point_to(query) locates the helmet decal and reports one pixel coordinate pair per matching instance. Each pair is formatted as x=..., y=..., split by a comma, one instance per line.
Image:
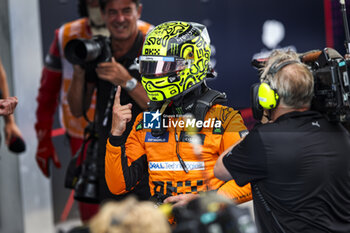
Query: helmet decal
x=178, y=43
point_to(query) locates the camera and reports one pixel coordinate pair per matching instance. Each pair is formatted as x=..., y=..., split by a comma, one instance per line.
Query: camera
x=86, y=52
x=331, y=84
x=212, y=213
x=87, y=184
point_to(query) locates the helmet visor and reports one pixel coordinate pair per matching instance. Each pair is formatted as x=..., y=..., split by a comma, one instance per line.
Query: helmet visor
x=158, y=65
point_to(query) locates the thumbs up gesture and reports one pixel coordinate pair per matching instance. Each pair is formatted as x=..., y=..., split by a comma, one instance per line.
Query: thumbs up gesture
x=121, y=115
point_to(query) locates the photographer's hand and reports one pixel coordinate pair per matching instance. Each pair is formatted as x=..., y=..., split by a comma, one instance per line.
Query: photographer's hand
x=113, y=72
x=117, y=74
x=121, y=115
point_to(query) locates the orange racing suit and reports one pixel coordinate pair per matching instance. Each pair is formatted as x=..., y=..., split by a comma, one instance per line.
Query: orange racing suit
x=125, y=164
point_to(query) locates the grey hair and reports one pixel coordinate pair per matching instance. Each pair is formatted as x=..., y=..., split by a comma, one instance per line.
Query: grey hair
x=294, y=82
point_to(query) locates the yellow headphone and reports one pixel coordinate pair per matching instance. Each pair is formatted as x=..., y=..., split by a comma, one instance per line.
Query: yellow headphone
x=268, y=97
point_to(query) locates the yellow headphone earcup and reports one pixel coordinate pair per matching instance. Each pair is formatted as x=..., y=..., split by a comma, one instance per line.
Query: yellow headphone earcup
x=268, y=98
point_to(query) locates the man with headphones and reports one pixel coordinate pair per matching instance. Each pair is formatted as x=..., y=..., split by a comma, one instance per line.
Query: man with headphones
x=297, y=162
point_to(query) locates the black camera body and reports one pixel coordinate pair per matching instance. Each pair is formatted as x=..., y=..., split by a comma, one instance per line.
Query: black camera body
x=84, y=177
x=87, y=185
x=88, y=52
x=331, y=85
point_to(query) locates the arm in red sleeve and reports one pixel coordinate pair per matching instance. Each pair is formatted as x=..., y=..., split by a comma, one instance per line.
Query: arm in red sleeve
x=47, y=99
x=50, y=85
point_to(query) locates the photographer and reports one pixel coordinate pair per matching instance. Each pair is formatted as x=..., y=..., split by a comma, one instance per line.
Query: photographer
x=179, y=159
x=298, y=163
x=121, y=18
x=56, y=77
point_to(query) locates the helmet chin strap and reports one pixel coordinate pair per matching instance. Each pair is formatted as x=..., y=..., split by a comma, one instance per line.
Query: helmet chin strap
x=164, y=105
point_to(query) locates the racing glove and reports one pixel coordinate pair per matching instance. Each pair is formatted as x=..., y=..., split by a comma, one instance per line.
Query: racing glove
x=45, y=151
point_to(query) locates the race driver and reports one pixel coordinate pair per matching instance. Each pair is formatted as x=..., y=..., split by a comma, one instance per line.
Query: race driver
x=178, y=157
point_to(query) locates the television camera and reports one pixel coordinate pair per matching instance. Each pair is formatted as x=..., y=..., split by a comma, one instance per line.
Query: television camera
x=331, y=80
x=331, y=83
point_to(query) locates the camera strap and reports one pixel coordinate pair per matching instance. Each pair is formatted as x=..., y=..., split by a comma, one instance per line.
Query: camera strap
x=85, y=108
x=266, y=205
x=109, y=106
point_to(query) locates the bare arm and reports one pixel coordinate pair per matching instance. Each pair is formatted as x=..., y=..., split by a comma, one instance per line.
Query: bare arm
x=3, y=82
x=76, y=93
x=11, y=128
x=7, y=103
x=220, y=170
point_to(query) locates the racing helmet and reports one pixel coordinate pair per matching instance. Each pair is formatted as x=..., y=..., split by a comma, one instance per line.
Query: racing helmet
x=174, y=60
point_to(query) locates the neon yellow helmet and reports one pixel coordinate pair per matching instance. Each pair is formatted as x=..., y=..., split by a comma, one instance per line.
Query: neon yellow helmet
x=175, y=59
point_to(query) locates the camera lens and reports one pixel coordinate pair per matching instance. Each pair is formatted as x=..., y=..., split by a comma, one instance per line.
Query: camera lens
x=81, y=51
